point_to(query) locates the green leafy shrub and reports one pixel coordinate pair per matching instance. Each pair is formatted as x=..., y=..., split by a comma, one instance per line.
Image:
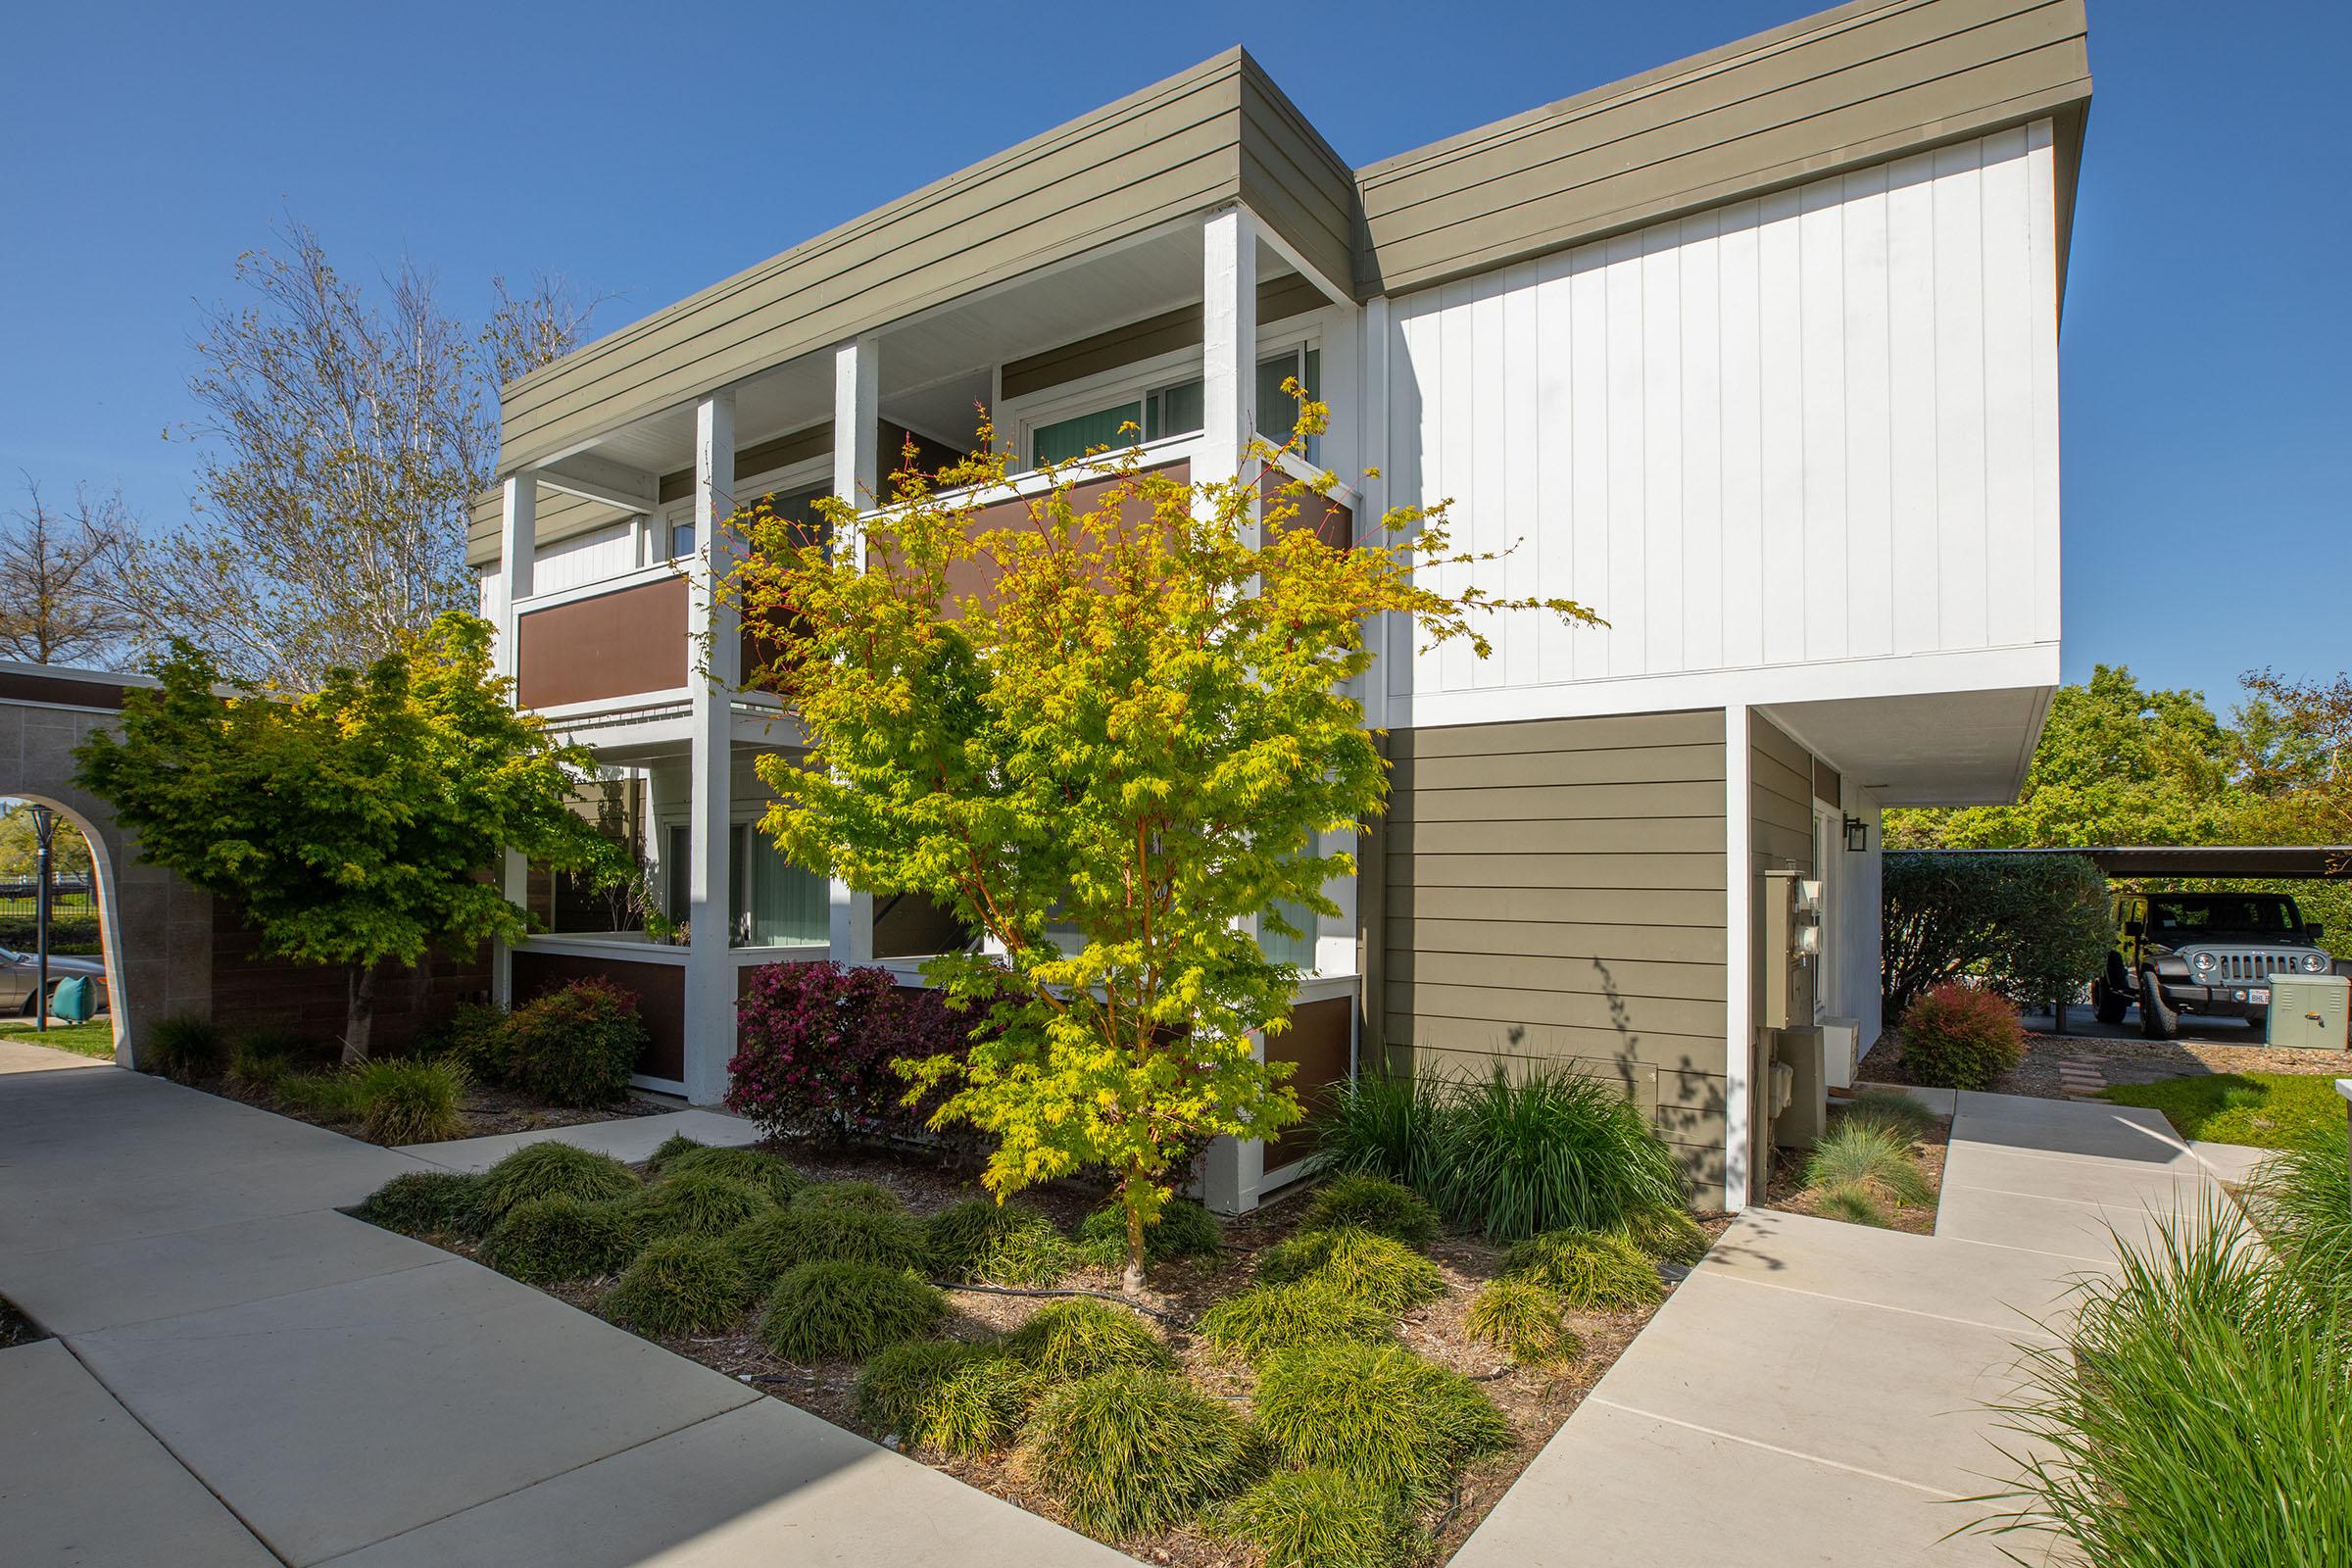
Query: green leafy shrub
x=1521, y=1315
x=1371, y=1203
x=1394, y=1126
x=1079, y=1337
x=825, y=1311
x=1379, y=1269
x=962, y=1399
x=700, y=1205
x=578, y=1044
x=681, y=1285
x=780, y=1181
x=473, y=1034
x=1669, y=1235
x=1376, y=1412
x=184, y=1048
x=2031, y=925
x=1265, y=1318
x=427, y=1204
x=1961, y=1037
x=1594, y=1271
x=1133, y=1450
x=551, y=1167
x=803, y=1233
x=996, y=1244
x=1867, y=1156
x=1184, y=1229
x=546, y=1240
x=873, y=1196
x=1322, y=1518
x=405, y=1101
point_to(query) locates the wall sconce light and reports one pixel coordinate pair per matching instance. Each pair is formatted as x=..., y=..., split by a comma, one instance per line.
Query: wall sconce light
x=1857, y=834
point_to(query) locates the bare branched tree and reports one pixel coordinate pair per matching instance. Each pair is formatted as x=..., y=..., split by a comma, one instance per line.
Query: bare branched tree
x=346, y=437
x=63, y=581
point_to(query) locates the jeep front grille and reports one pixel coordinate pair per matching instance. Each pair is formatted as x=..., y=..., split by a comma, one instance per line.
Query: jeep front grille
x=2257, y=966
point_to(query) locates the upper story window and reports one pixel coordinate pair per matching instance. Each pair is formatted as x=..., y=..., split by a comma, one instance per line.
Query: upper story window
x=1176, y=408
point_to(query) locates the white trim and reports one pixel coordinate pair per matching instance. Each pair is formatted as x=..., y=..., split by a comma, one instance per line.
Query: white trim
x=1739, y=920
x=614, y=947
x=634, y=577
x=1336, y=294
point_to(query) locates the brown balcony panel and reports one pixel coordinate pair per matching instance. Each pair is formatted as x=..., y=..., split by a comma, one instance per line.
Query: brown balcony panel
x=619, y=644
x=1317, y=1046
x=1331, y=519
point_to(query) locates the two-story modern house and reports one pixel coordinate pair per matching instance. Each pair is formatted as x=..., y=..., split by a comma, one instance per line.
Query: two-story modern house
x=1755, y=354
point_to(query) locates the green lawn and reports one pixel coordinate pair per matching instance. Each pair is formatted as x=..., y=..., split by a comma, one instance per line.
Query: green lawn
x=93, y=1038
x=2261, y=1109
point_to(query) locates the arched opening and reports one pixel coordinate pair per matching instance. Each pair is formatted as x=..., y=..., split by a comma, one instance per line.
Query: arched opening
x=84, y=933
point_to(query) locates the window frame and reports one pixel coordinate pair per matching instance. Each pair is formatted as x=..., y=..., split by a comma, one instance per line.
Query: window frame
x=1137, y=382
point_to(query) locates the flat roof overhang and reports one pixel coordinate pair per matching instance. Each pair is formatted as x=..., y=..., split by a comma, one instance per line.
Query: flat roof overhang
x=2331, y=863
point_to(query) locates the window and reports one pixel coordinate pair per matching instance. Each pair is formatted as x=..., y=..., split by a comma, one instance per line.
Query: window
x=1281, y=949
x=1277, y=410
x=1178, y=409
x=772, y=901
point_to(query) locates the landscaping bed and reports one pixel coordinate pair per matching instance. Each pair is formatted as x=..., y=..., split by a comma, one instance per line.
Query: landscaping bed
x=1890, y=1176
x=2038, y=1072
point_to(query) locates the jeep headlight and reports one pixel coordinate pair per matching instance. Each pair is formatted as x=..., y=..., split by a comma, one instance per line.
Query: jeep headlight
x=2314, y=962
x=2202, y=962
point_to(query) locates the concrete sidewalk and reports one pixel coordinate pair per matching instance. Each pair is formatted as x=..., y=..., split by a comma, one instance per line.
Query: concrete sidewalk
x=242, y=1375
x=1815, y=1392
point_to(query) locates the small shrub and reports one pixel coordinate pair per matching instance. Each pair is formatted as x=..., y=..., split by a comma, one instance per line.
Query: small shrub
x=1079, y=1337
x=546, y=1240
x=799, y=1233
x=697, y=1204
x=964, y=1239
x=1322, y=1518
x=1184, y=1229
x=680, y=1284
x=578, y=1044
x=1592, y=1270
x=1960, y=1037
x=870, y=1195
x=815, y=1042
x=827, y=1312
x=1373, y=1204
x=427, y=1204
x=1868, y=1155
x=184, y=1048
x=1669, y=1235
x=475, y=1036
x=1379, y=1269
x=964, y=1400
x=1265, y=1318
x=766, y=1172
x=1521, y=1315
x=550, y=1168
x=1375, y=1413
x=1134, y=1451
x=404, y=1101
x=671, y=1147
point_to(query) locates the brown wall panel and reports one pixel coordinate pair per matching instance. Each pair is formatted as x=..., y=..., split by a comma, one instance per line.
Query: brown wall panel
x=1317, y=1044
x=614, y=645
x=254, y=990
x=660, y=990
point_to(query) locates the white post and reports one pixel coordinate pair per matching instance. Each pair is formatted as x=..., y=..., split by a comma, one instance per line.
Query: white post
x=1739, y=920
x=709, y=948
x=517, y=554
x=858, y=480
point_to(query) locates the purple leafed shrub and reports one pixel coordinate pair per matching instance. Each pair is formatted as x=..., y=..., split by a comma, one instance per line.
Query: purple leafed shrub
x=815, y=1043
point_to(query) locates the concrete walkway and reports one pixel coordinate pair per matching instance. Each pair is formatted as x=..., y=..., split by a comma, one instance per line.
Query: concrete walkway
x=1815, y=1392
x=240, y=1375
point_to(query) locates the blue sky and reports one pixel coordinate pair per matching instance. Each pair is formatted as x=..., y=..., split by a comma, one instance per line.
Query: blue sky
x=645, y=151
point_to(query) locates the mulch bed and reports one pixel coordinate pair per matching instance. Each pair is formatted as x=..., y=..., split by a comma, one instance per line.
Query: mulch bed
x=485, y=1110
x=1786, y=1188
x=16, y=1328
x=1536, y=1402
x=2039, y=1074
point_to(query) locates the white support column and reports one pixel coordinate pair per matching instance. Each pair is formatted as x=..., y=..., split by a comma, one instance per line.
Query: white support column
x=1739, y=920
x=517, y=553
x=710, y=955
x=858, y=480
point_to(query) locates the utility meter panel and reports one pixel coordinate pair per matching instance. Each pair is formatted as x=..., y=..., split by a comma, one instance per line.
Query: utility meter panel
x=1788, y=941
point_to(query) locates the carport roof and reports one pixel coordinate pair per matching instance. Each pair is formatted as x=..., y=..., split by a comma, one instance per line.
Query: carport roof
x=2328, y=862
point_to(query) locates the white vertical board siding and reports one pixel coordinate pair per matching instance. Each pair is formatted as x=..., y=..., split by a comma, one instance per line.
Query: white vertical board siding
x=584, y=559
x=1816, y=427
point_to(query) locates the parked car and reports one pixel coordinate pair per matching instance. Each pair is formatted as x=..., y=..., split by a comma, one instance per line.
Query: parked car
x=2206, y=953
x=19, y=974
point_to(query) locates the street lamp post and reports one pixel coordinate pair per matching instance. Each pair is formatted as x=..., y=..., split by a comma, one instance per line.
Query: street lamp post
x=44, y=828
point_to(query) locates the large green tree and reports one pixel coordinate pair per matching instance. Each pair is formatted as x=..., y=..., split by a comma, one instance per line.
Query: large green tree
x=1106, y=728
x=360, y=822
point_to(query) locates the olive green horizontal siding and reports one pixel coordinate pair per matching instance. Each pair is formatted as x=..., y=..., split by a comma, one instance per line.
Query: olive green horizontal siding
x=1293, y=179
x=1851, y=86
x=1781, y=787
x=1278, y=299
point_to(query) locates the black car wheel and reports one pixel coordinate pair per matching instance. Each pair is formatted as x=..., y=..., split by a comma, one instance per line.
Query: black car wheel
x=2156, y=1020
x=2107, y=1003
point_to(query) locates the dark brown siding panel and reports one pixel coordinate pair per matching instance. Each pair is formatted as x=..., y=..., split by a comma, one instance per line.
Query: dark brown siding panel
x=1316, y=1044
x=253, y=990
x=660, y=989
x=614, y=645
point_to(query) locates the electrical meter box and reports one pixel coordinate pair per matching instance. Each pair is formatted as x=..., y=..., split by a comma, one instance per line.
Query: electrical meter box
x=2308, y=1010
x=1788, y=944
x=1803, y=1115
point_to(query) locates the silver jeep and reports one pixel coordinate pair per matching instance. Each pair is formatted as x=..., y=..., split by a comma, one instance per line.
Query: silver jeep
x=2207, y=953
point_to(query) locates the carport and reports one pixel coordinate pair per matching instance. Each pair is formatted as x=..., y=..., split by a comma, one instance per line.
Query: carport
x=2329, y=862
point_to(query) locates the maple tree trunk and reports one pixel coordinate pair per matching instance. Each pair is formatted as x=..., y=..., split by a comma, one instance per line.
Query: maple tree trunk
x=360, y=1018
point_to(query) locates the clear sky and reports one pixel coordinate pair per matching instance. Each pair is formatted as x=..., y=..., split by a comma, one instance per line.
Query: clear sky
x=645, y=151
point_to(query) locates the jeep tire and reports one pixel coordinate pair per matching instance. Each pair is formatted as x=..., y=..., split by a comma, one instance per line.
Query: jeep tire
x=2156, y=1020
x=2108, y=1003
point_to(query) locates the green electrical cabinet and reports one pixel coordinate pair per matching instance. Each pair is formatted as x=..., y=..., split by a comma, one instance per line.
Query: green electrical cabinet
x=2308, y=1010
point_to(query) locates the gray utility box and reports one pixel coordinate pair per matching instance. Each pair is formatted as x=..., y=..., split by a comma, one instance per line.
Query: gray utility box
x=2308, y=1010
x=1798, y=1121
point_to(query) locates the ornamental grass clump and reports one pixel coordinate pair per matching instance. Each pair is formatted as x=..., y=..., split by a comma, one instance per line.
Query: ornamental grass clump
x=1080, y=1338
x=2301, y=1200
x=551, y=1167
x=1961, y=1037
x=872, y=1196
x=1184, y=1229
x=1594, y=1271
x=846, y=1311
x=1367, y=1201
x=1134, y=1451
x=962, y=1399
x=973, y=1240
x=427, y=1203
x=404, y=1101
x=1669, y=1235
x=803, y=1233
x=681, y=1285
x=699, y=1204
x=1899, y=1113
x=1376, y=1413
x=671, y=1148
x=184, y=1048
x=1374, y=1268
x=748, y=1165
x=1551, y=1149
x=1394, y=1127
x=547, y=1240
x=1521, y=1316
x=1322, y=1518
x=1870, y=1160
x=1265, y=1318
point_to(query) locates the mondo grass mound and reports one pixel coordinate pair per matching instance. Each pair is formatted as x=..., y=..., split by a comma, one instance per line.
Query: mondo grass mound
x=1321, y=1518
x=1669, y=1235
x=553, y=1170
x=681, y=1285
x=1374, y=1268
x=1265, y=1318
x=1376, y=1413
x=996, y=1244
x=962, y=1399
x=1592, y=1270
x=1521, y=1316
x=846, y=1311
x=547, y=1240
x=746, y=1165
x=427, y=1204
x=827, y=1233
x=870, y=1195
x=1134, y=1451
x=696, y=1204
x=1081, y=1338
x=1184, y=1229
x=1362, y=1202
